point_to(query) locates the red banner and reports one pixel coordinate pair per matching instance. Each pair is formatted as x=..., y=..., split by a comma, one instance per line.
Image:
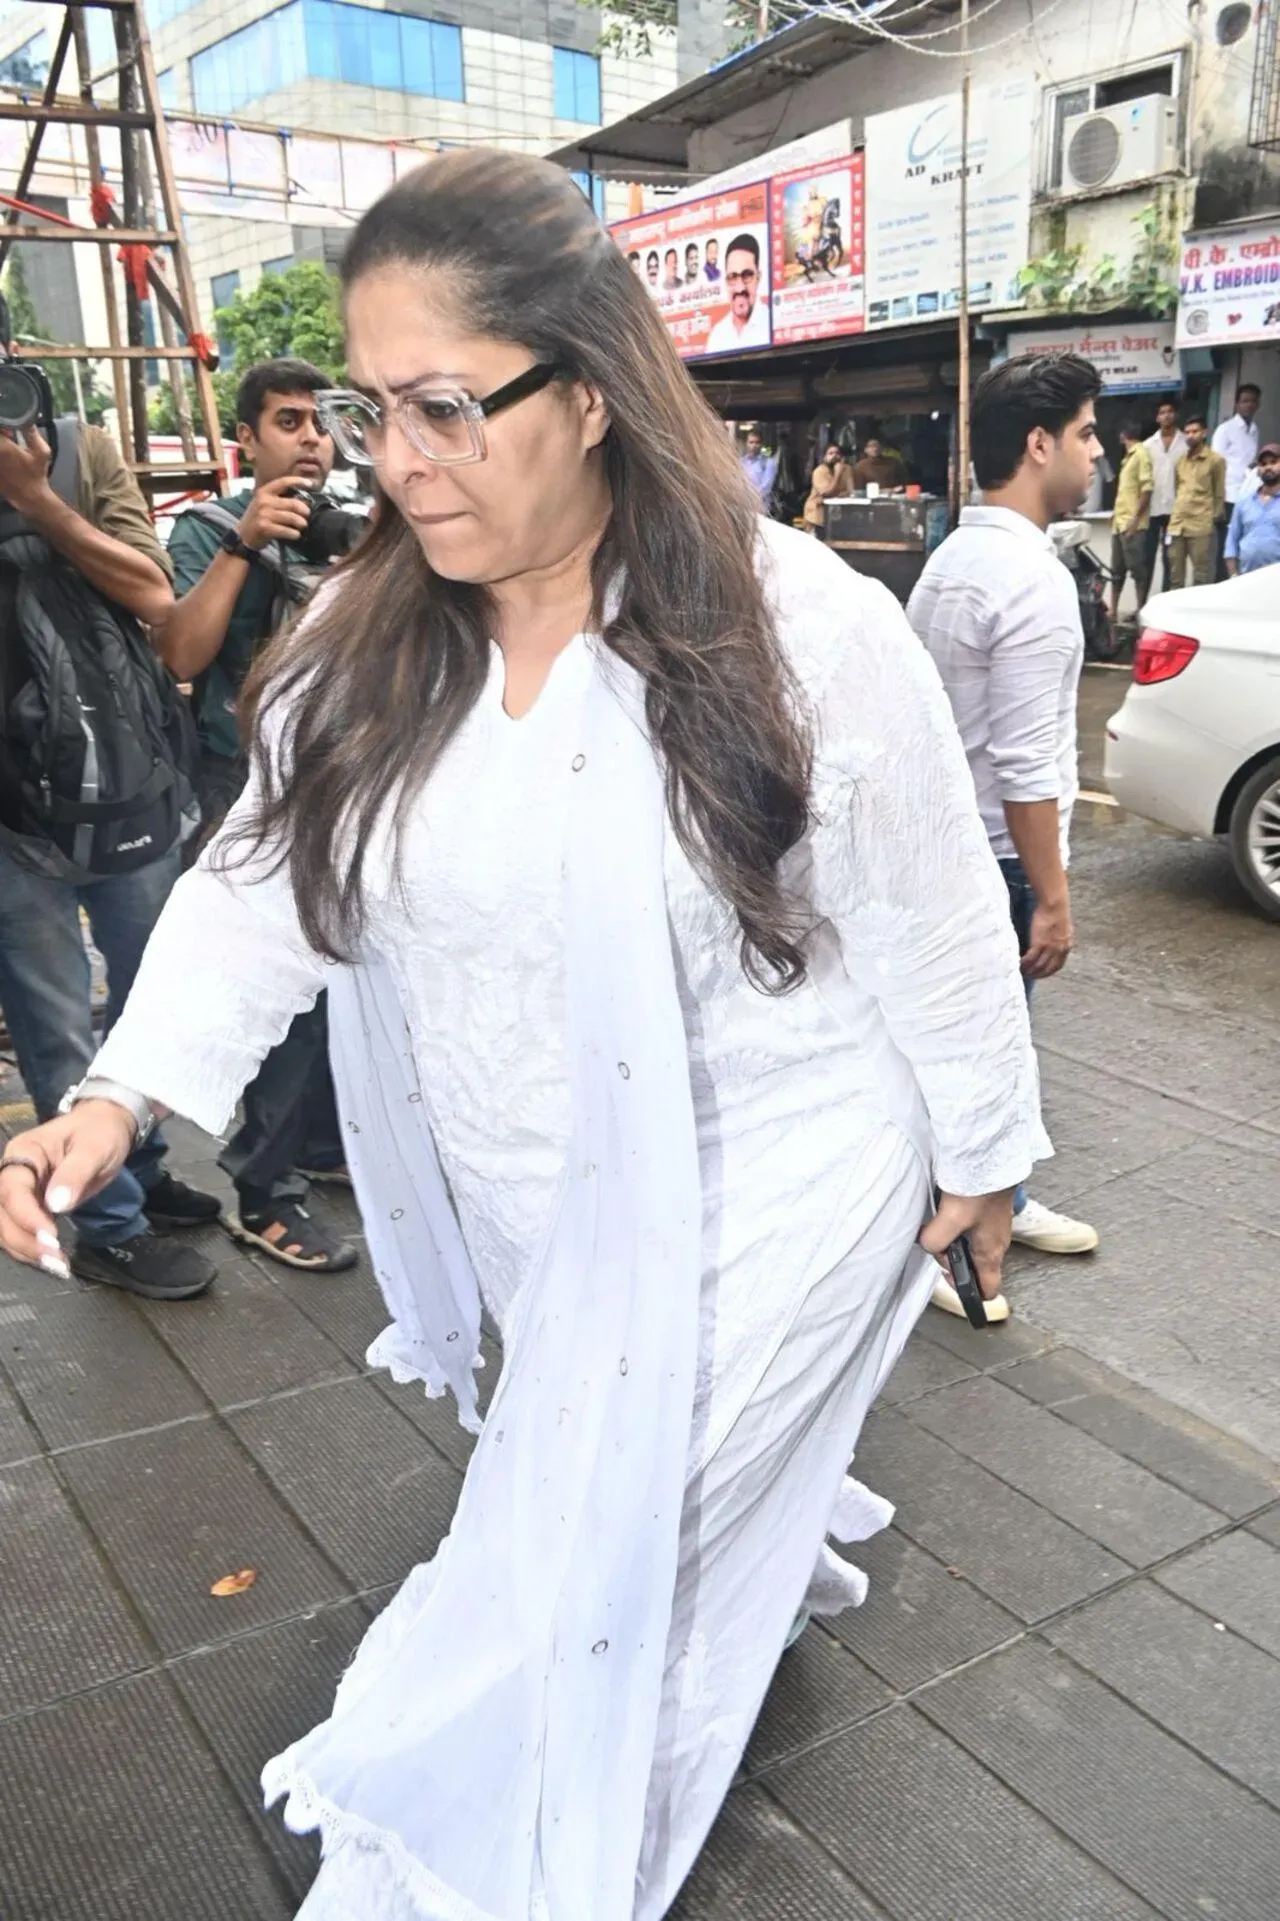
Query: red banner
x=706, y=263
x=817, y=222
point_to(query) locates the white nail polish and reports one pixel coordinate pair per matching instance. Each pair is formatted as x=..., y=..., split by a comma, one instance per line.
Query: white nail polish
x=59, y=1199
x=54, y=1266
x=47, y=1238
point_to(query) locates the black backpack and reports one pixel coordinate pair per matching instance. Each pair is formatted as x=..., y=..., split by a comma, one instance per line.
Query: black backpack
x=97, y=749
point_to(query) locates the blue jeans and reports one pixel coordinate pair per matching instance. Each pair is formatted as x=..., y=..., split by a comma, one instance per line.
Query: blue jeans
x=45, y=994
x=1022, y=905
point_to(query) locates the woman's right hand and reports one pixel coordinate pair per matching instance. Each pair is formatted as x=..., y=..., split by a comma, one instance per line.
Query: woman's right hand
x=51, y=1169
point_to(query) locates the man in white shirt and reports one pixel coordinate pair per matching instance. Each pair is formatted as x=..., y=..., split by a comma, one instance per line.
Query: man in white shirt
x=746, y=324
x=1166, y=446
x=1237, y=441
x=999, y=613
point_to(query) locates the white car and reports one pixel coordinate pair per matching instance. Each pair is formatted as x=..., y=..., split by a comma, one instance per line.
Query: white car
x=1196, y=745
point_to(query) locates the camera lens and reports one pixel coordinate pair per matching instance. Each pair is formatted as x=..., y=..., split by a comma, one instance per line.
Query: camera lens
x=19, y=398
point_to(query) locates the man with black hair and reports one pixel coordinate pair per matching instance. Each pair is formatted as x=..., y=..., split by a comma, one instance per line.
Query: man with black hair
x=1131, y=518
x=760, y=468
x=1236, y=440
x=1199, y=507
x=1166, y=447
x=998, y=612
x=230, y=605
x=746, y=324
x=96, y=527
x=1253, y=538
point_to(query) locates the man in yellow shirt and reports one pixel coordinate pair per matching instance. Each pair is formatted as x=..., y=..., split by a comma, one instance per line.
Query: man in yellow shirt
x=1131, y=518
x=1199, y=503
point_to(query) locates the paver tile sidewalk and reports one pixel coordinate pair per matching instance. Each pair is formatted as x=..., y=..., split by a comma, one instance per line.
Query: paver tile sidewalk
x=1059, y=1703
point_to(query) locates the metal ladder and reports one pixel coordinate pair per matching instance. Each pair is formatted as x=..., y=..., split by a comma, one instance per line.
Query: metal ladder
x=131, y=233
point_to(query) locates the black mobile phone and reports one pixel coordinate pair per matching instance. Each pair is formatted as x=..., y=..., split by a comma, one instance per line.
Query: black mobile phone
x=964, y=1278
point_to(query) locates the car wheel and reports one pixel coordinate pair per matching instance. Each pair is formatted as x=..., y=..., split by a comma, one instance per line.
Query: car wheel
x=1255, y=837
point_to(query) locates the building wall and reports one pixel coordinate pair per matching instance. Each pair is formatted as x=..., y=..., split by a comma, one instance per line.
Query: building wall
x=704, y=37
x=508, y=66
x=1218, y=177
x=1076, y=41
x=509, y=102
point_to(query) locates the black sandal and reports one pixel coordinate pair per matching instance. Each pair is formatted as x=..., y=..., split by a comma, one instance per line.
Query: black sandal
x=285, y=1232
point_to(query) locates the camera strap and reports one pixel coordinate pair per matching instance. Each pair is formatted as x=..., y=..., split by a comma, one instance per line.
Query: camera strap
x=66, y=460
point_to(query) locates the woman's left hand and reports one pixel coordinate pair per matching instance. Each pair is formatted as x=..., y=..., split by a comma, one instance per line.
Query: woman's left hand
x=988, y=1221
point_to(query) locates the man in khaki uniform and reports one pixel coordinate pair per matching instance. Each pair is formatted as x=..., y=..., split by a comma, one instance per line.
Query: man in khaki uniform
x=1131, y=519
x=1199, y=503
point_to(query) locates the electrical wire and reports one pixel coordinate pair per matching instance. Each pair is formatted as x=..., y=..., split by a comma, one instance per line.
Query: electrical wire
x=873, y=20
x=849, y=13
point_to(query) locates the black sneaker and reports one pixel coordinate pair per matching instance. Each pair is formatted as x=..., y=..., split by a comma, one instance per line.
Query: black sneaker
x=158, y=1269
x=171, y=1203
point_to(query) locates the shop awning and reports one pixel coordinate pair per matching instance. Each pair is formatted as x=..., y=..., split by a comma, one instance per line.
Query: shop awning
x=894, y=369
x=652, y=144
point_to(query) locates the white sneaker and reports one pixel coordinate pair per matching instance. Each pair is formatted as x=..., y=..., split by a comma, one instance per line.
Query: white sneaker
x=945, y=1297
x=1039, y=1227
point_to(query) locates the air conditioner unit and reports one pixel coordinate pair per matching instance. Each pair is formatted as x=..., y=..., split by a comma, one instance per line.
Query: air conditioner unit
x=1112, y=146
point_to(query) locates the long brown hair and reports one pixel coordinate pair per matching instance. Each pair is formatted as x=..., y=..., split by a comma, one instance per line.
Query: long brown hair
x=372, y=701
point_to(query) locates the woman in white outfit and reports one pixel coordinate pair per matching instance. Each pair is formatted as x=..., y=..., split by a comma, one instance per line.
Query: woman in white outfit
x=669, y=970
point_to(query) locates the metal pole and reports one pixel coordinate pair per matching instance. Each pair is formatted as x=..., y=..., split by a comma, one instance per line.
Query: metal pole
x=126, y=48
x=180, y=259
x=119, y=379
x=174, y=369
x=962, y=416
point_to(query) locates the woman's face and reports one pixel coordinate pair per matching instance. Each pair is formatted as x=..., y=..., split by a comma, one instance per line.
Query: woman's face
x=539, y=492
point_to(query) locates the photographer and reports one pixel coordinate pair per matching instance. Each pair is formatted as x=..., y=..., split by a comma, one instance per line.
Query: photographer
x=241, y=566
x=94, y=799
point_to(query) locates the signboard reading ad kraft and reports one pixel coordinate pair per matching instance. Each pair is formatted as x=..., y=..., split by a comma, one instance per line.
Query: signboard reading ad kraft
x=816, y=219
x=913, y=158
x=706, y=264
x=1229, y=286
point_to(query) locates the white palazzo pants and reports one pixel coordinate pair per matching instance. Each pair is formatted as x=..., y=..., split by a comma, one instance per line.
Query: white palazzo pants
x=759, y=1504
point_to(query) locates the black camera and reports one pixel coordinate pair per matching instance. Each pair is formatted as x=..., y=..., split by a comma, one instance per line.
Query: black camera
x=26, y=398
x=332, y=530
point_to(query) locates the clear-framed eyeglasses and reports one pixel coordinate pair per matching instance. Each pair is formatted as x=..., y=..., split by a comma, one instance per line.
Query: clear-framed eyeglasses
x=445, y=424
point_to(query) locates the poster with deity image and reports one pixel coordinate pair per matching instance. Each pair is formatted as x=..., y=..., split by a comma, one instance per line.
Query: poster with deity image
x=817, y=220
x=706, y=265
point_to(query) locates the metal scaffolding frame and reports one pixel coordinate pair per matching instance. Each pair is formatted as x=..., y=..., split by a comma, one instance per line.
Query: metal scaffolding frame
x=1264, y=99
x=147, y=252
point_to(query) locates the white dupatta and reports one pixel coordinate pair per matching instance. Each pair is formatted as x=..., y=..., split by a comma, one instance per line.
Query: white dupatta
x=494, y=1736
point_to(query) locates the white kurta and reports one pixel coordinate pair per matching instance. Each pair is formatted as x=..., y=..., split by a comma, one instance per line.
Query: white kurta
x=818, y=1116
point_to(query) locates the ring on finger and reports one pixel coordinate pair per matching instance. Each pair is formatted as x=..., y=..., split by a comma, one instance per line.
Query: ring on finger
x=20, y=1160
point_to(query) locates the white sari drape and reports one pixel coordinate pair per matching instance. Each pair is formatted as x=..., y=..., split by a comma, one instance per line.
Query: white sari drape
x=536, y=1638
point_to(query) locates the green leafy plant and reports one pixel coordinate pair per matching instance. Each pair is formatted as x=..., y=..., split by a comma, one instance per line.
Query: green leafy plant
x=295, y=314
x=1064, y=280
x=633, y=24
x=630, y=31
